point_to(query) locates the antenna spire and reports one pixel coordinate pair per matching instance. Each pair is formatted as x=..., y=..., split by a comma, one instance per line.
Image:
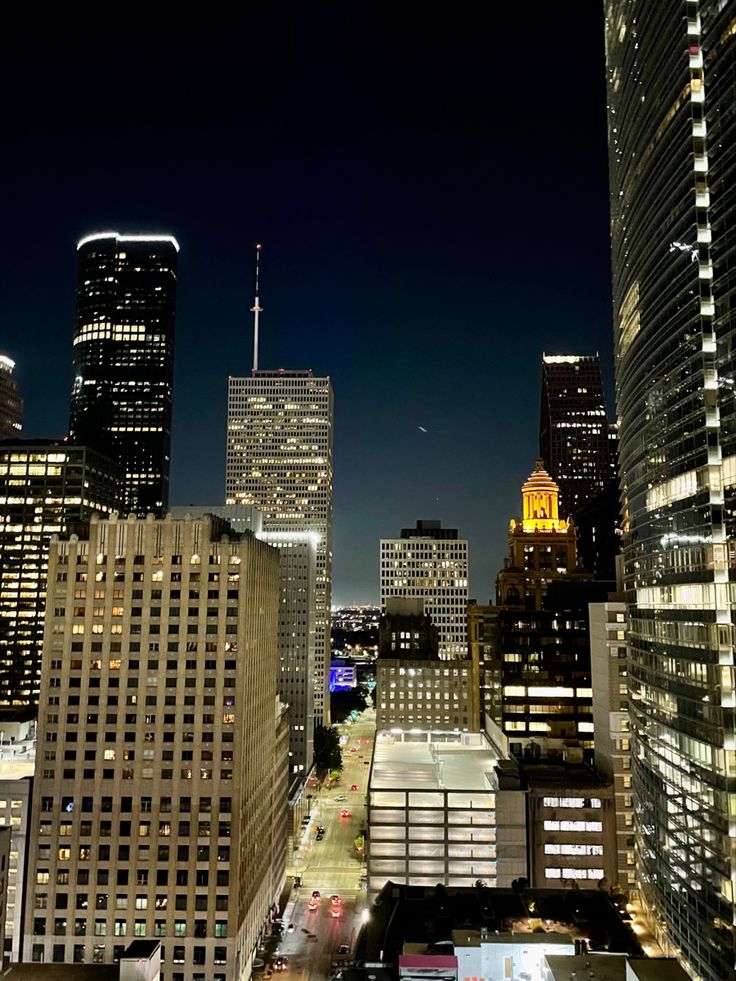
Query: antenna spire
x=256, y=309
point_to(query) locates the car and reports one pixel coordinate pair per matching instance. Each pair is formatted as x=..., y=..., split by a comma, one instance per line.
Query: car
x=345, y=813
x=281, y=963
x=353, y=749
x=290, y=928
x=355, y=787
x=320, y=830
x=316, y=894
x=341, y=798
x=343, y=949
x=320, y=836
x=336, y=900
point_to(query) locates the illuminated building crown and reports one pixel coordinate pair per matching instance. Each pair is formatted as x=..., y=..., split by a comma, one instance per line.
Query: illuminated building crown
x=540, y=498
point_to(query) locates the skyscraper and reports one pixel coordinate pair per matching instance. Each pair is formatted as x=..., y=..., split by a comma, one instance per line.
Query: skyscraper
x=279, y=458
x=11, y=404
x=161, y=813
x=124, y=359
x=573, y=429
x=46, y=488
x=672, y=139
x=430, y=563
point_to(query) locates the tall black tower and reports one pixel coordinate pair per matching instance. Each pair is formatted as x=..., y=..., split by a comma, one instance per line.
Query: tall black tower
x=573, y=429
x=124, y=359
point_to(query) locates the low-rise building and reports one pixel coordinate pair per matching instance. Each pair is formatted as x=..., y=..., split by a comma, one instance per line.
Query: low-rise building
x=436, y=813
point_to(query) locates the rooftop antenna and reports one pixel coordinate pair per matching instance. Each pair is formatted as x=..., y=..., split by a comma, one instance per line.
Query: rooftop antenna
x=256, y=309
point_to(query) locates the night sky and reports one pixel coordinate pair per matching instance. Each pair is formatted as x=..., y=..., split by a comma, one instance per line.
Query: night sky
x=431, y=192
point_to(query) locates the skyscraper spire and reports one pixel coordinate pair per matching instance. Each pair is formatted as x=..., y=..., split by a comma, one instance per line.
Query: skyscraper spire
x=256, y=309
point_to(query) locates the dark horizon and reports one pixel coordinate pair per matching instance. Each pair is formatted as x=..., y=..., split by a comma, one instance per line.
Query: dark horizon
x=434, y=214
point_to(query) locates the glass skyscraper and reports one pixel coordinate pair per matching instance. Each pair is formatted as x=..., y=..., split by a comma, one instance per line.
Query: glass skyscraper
x=11, y=404
x=573, y=429
x=124, y=359
x=672, y=138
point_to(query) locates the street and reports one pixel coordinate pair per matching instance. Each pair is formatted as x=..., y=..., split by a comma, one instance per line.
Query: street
x=331, y=865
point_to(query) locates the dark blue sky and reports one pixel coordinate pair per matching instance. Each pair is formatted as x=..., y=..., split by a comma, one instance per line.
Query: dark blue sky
x=432, y=198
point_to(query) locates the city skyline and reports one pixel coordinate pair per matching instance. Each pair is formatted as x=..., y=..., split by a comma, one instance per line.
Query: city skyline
x=389, y=284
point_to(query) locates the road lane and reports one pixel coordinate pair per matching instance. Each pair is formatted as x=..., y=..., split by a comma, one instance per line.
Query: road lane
x=332, y=865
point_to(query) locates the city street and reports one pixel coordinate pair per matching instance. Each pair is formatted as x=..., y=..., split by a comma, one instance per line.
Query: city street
x=331, y=865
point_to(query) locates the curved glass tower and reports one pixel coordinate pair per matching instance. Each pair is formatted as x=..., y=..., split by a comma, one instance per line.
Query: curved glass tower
x=672, y=137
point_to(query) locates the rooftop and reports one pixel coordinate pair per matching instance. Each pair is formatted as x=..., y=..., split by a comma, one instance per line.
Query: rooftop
x=459, y=765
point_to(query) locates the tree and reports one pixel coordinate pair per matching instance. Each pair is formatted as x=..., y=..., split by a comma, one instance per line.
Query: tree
x=327, y=753
x=342, y=703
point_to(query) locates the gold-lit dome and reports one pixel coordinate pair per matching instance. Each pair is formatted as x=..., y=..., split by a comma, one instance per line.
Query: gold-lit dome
x=540, y=496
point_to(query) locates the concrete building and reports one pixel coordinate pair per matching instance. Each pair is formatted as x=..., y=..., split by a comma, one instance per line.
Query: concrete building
x=279, y=459
x=573, y=428
x=414, y=687
x=11, y=403
x=541, y=546
x=572, y=825
x=46, y=487
x=609, y=668
x=123, y=358
x=430, y=563
x=436, y=813
x=15, y=814
x=155, y=783
x=610, y=967
x=296, y=635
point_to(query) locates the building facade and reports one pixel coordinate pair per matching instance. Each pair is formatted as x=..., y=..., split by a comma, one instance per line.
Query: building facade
x=609, y=671
x=124, y=359
x=156, y=815
x=11, y=403
x=279, y=459
x=430, y=563
x=436, y=813
x=297, y=554
x=672, y=141
x=573, y=428
x=541, y=546
x=46, y=488
x=414, y=687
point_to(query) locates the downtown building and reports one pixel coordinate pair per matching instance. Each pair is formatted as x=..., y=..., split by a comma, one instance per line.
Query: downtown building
x=279, y=460
x=46, y=488
x=297, y=553
x=574, y=435
x=672, y=141
x=11, y=403
x=430, y=563
x=158, y=802
x=532, y=646
x=124, y=360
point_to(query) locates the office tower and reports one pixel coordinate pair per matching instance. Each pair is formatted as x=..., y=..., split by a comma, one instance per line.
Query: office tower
x=11, y=404
x=598, y=525
x=609, y=672
x=573, y=429
x=279, y=459
x=124, y=359
x=156, y=795
x=414, y=687
x=535, y=661
x=295, y=683
x=46, y=488
x=430, y=562
x=541, y=546
x=672, y=157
